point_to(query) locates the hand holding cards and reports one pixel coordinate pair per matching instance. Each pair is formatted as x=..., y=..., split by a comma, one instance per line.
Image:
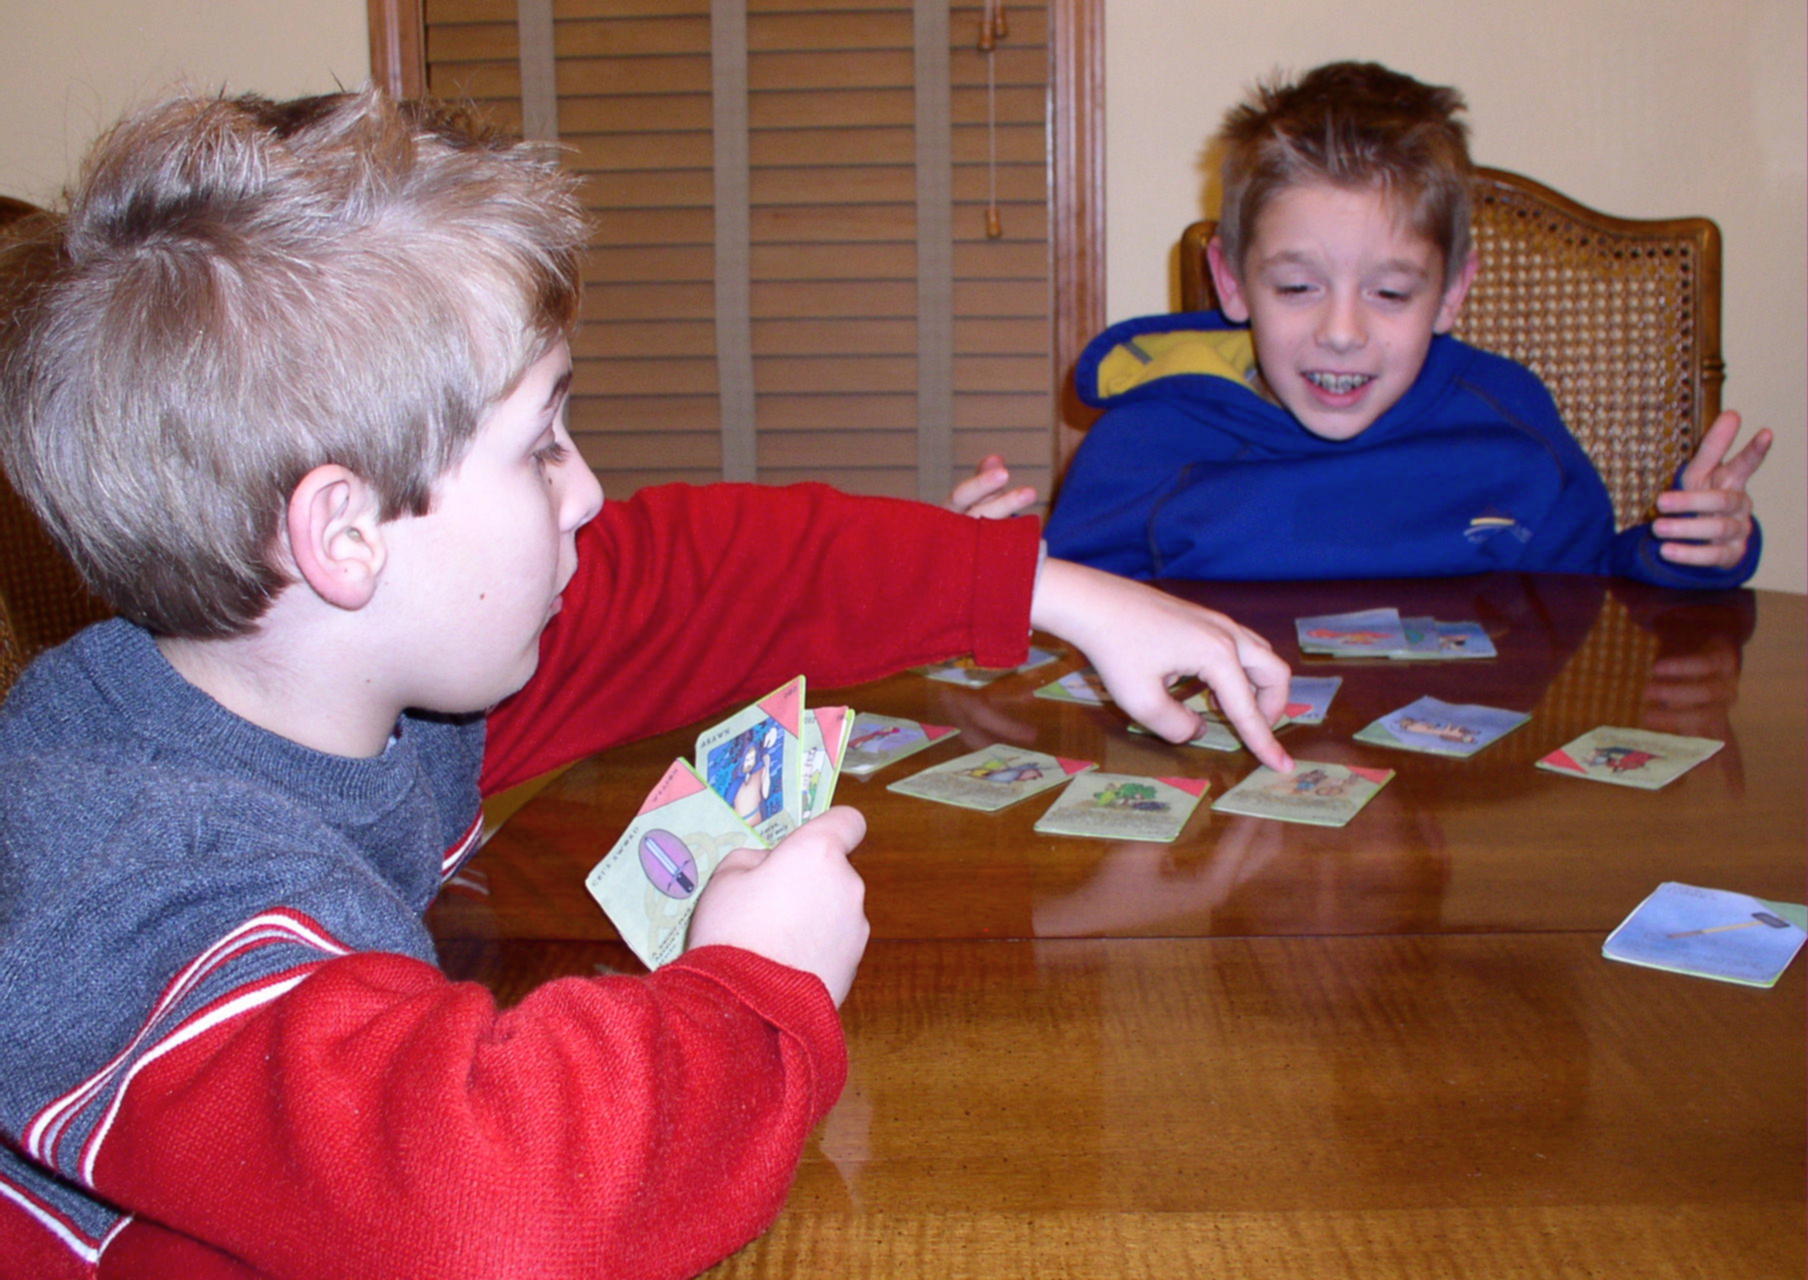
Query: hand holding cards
x=760, y=774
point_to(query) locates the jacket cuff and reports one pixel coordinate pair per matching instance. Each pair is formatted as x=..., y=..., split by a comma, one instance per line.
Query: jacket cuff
x=1007, y=558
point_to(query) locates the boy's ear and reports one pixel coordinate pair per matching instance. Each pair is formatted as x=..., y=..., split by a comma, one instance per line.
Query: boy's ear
x=1455, y=292
x=1225, y=280
x=335, y=536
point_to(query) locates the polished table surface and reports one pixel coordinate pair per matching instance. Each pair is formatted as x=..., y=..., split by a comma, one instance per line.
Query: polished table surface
x=1387, y=1050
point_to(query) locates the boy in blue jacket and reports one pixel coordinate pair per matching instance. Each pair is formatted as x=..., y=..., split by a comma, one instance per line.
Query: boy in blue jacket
x=1324, y=424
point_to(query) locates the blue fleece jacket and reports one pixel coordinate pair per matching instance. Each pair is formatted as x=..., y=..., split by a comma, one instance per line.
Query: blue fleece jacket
x=1192, y=474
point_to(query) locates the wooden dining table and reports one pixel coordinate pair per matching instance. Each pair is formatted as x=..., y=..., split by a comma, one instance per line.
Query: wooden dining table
x=1390, y=1049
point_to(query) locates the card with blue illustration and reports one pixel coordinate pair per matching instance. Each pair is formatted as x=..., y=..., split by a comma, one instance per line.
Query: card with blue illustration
x=991, y=778
x=649, y=880
x=1710, y=933
x=1309, y=698
x=1121, y=806
x=753, y=760
x=1427, y=639
x=1364, y=633
x=1442, y=728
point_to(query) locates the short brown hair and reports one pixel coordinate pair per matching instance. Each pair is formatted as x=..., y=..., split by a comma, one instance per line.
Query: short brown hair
x=242, y=290
x=1354, y=125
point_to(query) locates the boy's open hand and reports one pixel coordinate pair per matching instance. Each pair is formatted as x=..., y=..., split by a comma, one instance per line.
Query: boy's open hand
x=987, y=495
x=1707, y=519
x=800, y=903
x=1141, y=640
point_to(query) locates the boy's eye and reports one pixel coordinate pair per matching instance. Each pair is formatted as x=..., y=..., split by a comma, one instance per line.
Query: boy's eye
x=551, y=455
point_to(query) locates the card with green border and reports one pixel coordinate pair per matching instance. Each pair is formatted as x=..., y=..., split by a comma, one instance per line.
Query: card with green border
x=991, y=778
x=1121, y=806
x=1324, y=795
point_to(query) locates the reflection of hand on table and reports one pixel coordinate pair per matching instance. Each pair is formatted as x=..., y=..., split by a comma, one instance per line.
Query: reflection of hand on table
x=1138, y=883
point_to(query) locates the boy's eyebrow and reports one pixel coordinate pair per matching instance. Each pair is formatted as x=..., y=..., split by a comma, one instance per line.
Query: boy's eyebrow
x=558, y=391
x=1300, y=258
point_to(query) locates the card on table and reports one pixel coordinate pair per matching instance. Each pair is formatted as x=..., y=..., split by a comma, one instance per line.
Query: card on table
x=1365, y=633
x=1312, y=696
x=1215, y=733
x=881, y=740
x=1427, y=639
x=1442, y=728
x=1640, y=758
x=825, y=739
x=1710, y=933
x=649, y=881
x=964, y=672
x=991, y=778
x=1324, y=795
x=753, y=760
x=1120, y=806
x=1084, y=686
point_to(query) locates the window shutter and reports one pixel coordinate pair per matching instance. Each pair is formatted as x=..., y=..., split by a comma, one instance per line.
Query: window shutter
x=791, y=276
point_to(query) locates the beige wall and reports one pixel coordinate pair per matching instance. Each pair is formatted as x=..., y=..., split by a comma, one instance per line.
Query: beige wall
x=1643, y=109
x=73, y=65
x=1646, y=109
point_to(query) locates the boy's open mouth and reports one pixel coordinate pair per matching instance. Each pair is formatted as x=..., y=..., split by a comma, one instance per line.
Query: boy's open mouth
x=1339, y=384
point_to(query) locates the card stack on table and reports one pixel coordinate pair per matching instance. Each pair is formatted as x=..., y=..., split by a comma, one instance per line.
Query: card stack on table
x=758, y=776
x=1383, y=633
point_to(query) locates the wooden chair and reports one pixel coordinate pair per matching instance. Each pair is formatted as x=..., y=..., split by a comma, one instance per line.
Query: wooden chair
x=1620, y=317
x=42, y=599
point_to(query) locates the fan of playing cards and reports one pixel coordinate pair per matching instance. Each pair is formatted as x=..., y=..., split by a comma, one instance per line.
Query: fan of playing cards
x=757, y=776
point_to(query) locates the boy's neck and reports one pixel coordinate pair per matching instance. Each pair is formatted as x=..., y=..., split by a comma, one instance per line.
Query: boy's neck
x=257, y=680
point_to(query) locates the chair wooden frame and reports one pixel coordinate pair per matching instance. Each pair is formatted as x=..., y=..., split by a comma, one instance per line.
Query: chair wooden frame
x=1620, y=317
x=43, y=600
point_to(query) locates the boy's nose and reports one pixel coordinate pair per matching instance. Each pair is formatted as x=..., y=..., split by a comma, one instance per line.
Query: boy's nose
x=581, y=493
x=1341, y=326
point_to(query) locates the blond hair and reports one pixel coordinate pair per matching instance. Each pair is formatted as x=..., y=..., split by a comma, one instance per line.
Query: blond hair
x=1355, y=125
x=242, y=290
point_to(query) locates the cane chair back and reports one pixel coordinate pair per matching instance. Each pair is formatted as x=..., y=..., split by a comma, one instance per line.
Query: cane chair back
x=1619, y=317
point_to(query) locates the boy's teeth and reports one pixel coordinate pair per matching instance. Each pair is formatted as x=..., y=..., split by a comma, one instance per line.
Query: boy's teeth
x=1338, y=383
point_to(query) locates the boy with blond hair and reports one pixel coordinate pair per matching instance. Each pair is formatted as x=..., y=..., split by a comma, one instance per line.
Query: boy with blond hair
x=1323, y=423
x=288, y=382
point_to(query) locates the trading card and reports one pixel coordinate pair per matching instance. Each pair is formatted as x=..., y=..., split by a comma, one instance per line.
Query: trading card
x=1311, y=695
x=1084, y=686
x=1215, y=733
x=1442, y=728
x=826, y=734
x=1119, y=806
x=1710, y=933
x=1366, y=633
x=877, y=741
x=1325, y=795
x=1640, y=758
x=649, y=881
x=963, y=672
x=991, y=778
x=753, y=761
x=1427, y=639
